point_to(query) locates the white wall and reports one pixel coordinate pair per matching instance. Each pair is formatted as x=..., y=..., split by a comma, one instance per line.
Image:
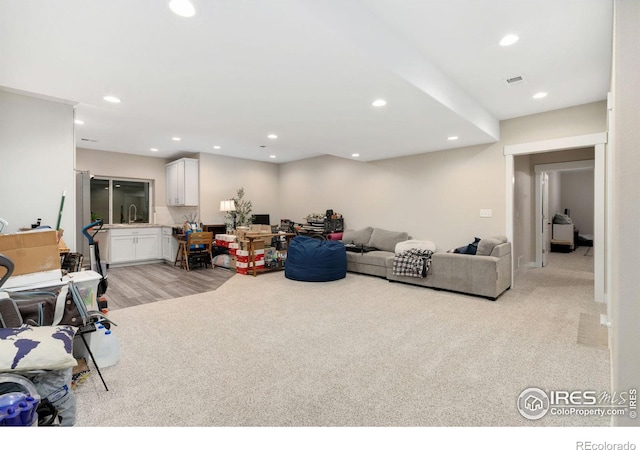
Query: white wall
x=222, y=176
x=624, y=167
x=126, y=166
x=577, y=196
x=435, y=196
x=36, y=162
x=523, y=214
x=219, y=178
x=114, y=164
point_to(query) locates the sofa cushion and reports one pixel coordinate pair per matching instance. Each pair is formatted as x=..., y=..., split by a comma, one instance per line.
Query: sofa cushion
x=387, y=240
x=374, y=258
x=358, y=237
x=501, y=250
x=486, y=245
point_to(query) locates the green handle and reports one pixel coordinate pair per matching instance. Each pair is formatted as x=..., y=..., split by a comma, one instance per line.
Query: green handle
x=64, y=194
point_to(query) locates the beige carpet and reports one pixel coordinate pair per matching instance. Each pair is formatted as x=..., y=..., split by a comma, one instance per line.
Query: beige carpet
x=361, y=351
x=591, y=332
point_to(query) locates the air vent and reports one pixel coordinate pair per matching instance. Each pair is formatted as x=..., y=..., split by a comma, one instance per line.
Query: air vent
x=518, y=79
x=88, y=140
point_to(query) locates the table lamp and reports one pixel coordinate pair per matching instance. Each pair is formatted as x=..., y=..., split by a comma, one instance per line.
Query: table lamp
x=229, y=206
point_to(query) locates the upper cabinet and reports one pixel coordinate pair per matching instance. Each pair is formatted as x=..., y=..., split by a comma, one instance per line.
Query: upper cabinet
x=182, y=182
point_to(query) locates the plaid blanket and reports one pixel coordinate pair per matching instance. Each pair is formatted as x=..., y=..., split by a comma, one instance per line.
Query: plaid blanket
x=412, y=263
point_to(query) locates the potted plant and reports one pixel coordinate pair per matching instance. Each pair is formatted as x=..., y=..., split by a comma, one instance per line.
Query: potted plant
x=242, y=215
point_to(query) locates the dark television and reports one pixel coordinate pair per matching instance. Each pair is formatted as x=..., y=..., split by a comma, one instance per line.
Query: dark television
x=261, y=219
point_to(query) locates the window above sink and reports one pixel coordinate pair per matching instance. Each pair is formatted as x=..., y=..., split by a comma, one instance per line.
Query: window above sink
x=121, y=201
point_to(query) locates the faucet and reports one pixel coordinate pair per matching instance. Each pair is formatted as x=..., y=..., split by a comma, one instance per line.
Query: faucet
x=135, y=213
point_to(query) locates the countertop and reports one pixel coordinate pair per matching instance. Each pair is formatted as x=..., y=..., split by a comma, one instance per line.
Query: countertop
x=136, y=225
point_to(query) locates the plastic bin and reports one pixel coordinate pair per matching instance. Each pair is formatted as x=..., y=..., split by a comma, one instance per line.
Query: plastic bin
x=87, y=284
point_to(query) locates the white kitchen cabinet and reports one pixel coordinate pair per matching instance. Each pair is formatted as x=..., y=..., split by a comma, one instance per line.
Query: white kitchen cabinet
x=182, y=182
x=169, y=245
x=132, y=245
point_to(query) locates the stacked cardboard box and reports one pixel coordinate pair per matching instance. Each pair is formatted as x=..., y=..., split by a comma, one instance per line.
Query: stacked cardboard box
x=242, y=261
x=238, y=246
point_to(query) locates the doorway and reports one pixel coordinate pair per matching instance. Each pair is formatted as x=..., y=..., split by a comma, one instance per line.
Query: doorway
x=557, y=191
x=598, y=142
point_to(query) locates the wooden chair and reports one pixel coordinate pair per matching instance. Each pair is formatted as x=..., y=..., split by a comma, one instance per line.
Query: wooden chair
x=198, y=248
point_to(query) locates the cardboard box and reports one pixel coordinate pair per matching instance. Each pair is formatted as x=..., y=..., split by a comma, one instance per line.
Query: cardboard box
x=258, y=244
x=246, y=265
x=241, y=232
x=32, y=251
x=225, y=237
x=243, y=256
x=260, y=229
x=224, y=244
x=243, y=268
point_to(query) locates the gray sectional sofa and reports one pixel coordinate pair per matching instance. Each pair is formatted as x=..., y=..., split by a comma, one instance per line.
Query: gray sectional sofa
x=486, y=274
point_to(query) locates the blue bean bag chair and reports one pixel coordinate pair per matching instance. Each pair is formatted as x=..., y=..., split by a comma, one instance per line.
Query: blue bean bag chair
x=310, y=259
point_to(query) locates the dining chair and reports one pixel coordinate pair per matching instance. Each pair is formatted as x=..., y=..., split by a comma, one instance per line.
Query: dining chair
x=198, y=248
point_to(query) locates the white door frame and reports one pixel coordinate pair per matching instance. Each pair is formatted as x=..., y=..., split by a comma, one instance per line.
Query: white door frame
x=596, y=140
x=542, y=208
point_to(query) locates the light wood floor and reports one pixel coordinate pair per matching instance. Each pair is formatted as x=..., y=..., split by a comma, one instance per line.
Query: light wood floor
x=136, y=285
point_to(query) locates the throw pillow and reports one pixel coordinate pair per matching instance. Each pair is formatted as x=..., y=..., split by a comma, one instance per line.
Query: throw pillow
x=470, y=249
x=358, y=237
x=387, y=240
x=36, y=348
x=473, y=247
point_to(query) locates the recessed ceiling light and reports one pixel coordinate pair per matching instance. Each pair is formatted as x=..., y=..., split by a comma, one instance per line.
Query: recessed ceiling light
x=272, y=156
x=355, y=155
x=111, y=99
x=452, y=138
x=117, y=185
x=78, y=121
x=509, y=39
x=182, y=8
x=379, y=102
x=175, y=138
x=272, y=136
x=217, y=147
x=540, y=95
x=153, y=149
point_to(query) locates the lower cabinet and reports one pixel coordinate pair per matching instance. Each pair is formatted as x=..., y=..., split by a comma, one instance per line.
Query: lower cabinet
x=132, y=245
x=169, y=245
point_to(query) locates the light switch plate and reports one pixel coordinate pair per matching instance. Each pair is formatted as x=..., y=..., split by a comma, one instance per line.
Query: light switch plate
x=486, y=213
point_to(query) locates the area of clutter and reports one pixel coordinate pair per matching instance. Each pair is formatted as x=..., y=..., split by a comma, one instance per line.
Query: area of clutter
x=54, y=325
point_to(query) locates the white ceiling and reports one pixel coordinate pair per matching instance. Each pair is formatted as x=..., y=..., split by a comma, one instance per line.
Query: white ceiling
x=306, y=70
